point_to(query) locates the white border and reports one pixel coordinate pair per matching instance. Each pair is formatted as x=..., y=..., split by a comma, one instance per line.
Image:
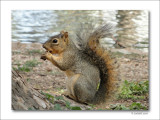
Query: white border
x=7, y=6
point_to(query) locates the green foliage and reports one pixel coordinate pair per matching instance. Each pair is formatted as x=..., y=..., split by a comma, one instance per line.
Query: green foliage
x=34, y=52
x=137, y=106
x=28, y=79
x=118, y=107
x=32, y=108
x=76, y=108
x=92, y=106
x=68, y=104
x=29, y=108
x=27, y=66
x=24, y=68
x=59, y=98
x=72, y=107
x=133, y=106
x=32, y=63
x=48, y=96
x=57, y=106
x=16, y=52
x=134, y=90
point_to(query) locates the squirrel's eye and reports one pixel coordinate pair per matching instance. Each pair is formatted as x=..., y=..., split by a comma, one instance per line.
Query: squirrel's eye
x=55, y=40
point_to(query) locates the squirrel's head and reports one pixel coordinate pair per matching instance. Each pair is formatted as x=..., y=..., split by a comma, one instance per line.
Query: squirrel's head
x=57, y=44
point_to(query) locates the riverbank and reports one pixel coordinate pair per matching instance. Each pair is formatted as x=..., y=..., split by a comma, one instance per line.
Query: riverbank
x=43, y=76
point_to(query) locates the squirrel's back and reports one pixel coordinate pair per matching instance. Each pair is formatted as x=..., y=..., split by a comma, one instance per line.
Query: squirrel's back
x=90, y=45
x=90, y=71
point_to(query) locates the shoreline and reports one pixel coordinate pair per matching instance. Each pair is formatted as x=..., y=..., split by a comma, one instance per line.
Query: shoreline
x=123, y=51
x=43, y=76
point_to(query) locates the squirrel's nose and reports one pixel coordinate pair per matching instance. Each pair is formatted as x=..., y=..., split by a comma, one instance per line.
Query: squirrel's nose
x=43, y=46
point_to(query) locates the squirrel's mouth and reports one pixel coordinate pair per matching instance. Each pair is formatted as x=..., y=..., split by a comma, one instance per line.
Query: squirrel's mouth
x=49, y=51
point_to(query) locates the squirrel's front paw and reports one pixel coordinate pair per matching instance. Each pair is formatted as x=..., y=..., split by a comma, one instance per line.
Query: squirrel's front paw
x=45, y=56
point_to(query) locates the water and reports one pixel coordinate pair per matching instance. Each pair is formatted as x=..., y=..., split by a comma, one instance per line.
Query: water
x=36, y=25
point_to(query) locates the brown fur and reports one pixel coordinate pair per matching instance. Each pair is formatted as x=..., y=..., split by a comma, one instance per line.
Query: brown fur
x=84, y=67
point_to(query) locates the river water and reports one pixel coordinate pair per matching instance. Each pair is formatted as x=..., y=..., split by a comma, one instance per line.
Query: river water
x=131, y=26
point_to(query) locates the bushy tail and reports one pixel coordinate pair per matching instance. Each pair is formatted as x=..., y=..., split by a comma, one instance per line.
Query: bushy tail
x=102, y=60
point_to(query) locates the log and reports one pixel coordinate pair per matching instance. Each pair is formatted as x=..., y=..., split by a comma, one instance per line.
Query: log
x=24, y=97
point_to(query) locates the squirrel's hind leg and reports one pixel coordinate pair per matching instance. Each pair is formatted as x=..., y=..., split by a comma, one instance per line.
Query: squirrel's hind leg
x=83, y=90
x=68, y=95
x=80, y=89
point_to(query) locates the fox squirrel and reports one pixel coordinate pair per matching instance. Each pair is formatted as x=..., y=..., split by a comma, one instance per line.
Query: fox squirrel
x=87, y=66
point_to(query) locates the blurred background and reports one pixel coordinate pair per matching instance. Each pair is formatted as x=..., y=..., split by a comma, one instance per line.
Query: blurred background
x=128, y=45
x=131, y=29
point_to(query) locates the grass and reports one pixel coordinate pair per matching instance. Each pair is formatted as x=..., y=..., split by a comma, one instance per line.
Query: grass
x=16, y=52
x=58, y=106
x=28, y=79
x=130, y=90
x=32, y=63
x=134, y=90
x=36, y=51
x=59, y=90
x=133, y=106
x=27, y=66
x=48, y=96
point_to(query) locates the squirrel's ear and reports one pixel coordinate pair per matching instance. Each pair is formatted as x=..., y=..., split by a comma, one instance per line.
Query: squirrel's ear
x=62, y=32
x=66, y=34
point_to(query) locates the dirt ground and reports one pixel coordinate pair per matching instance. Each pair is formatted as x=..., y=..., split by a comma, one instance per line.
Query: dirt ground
x=47, y=78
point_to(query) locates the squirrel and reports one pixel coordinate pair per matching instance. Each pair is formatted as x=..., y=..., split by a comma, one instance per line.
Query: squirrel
x=89, y=68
